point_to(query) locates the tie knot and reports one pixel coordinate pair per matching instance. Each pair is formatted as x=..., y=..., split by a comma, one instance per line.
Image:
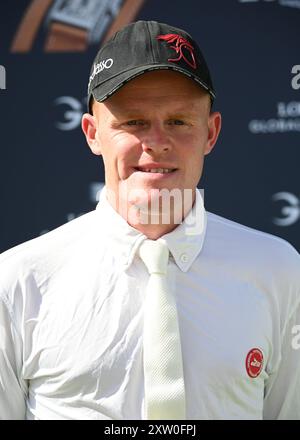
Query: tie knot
x=155, y=255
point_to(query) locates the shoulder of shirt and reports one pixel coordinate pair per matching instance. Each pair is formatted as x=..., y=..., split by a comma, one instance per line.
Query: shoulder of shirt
x=242, y=231
x=253, y=244
x=261, y=258
x=49, y=247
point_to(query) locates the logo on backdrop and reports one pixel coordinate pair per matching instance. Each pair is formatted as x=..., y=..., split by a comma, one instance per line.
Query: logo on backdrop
x=72, y=114
x=287, y=120
x=296, y=79
x=289, y=208
x=289, y=3
x=2, y=78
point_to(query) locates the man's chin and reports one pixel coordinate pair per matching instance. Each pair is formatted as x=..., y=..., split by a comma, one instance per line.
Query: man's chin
x=156, y=206
x=150, y=205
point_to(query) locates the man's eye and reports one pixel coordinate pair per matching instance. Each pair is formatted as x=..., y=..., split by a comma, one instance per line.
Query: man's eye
x=176, y=122
x=135, y=122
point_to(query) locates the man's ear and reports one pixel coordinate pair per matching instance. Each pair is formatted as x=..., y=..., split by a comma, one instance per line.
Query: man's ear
x=89, y=128
x=214, y=128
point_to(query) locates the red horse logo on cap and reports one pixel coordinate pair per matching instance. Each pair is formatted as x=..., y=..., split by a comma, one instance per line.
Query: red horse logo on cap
x=180, y=44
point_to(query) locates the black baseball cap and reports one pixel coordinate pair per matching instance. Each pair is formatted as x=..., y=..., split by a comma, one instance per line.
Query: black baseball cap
x=141, y=47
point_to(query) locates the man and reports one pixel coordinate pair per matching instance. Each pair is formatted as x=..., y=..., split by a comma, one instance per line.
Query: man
x=93, y=326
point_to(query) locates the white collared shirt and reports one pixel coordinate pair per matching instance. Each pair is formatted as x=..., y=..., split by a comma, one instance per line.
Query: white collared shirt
x=71, y=320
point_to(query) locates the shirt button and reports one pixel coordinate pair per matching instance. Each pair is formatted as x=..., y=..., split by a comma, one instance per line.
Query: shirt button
x=184, y=258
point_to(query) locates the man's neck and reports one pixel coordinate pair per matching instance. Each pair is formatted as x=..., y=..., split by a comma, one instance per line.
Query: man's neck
x=153, y=232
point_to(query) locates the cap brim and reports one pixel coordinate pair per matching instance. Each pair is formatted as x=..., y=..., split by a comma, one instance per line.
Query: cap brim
x=111, y=86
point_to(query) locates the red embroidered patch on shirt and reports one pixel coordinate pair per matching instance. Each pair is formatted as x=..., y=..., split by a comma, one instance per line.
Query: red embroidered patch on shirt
x=254, y=362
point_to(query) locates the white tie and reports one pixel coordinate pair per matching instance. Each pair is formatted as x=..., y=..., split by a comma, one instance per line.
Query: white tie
x=163, y=370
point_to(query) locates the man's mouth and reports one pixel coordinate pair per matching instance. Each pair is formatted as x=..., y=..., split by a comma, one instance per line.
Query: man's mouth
x=156, y=170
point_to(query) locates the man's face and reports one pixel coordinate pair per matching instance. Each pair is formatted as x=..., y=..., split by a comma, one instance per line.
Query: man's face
x=160, y=120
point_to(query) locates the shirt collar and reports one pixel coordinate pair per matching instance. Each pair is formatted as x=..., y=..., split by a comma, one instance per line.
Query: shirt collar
x=184, y=242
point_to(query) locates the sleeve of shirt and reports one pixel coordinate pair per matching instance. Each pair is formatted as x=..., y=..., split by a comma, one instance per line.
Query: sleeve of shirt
x=282, y=393
x=12, y=388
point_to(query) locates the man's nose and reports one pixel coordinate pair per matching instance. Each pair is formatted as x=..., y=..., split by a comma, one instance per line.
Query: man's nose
x=156, y=139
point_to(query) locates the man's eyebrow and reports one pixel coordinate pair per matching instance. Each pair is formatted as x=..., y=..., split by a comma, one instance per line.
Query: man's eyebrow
x=136, y=112
x=126, y=112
